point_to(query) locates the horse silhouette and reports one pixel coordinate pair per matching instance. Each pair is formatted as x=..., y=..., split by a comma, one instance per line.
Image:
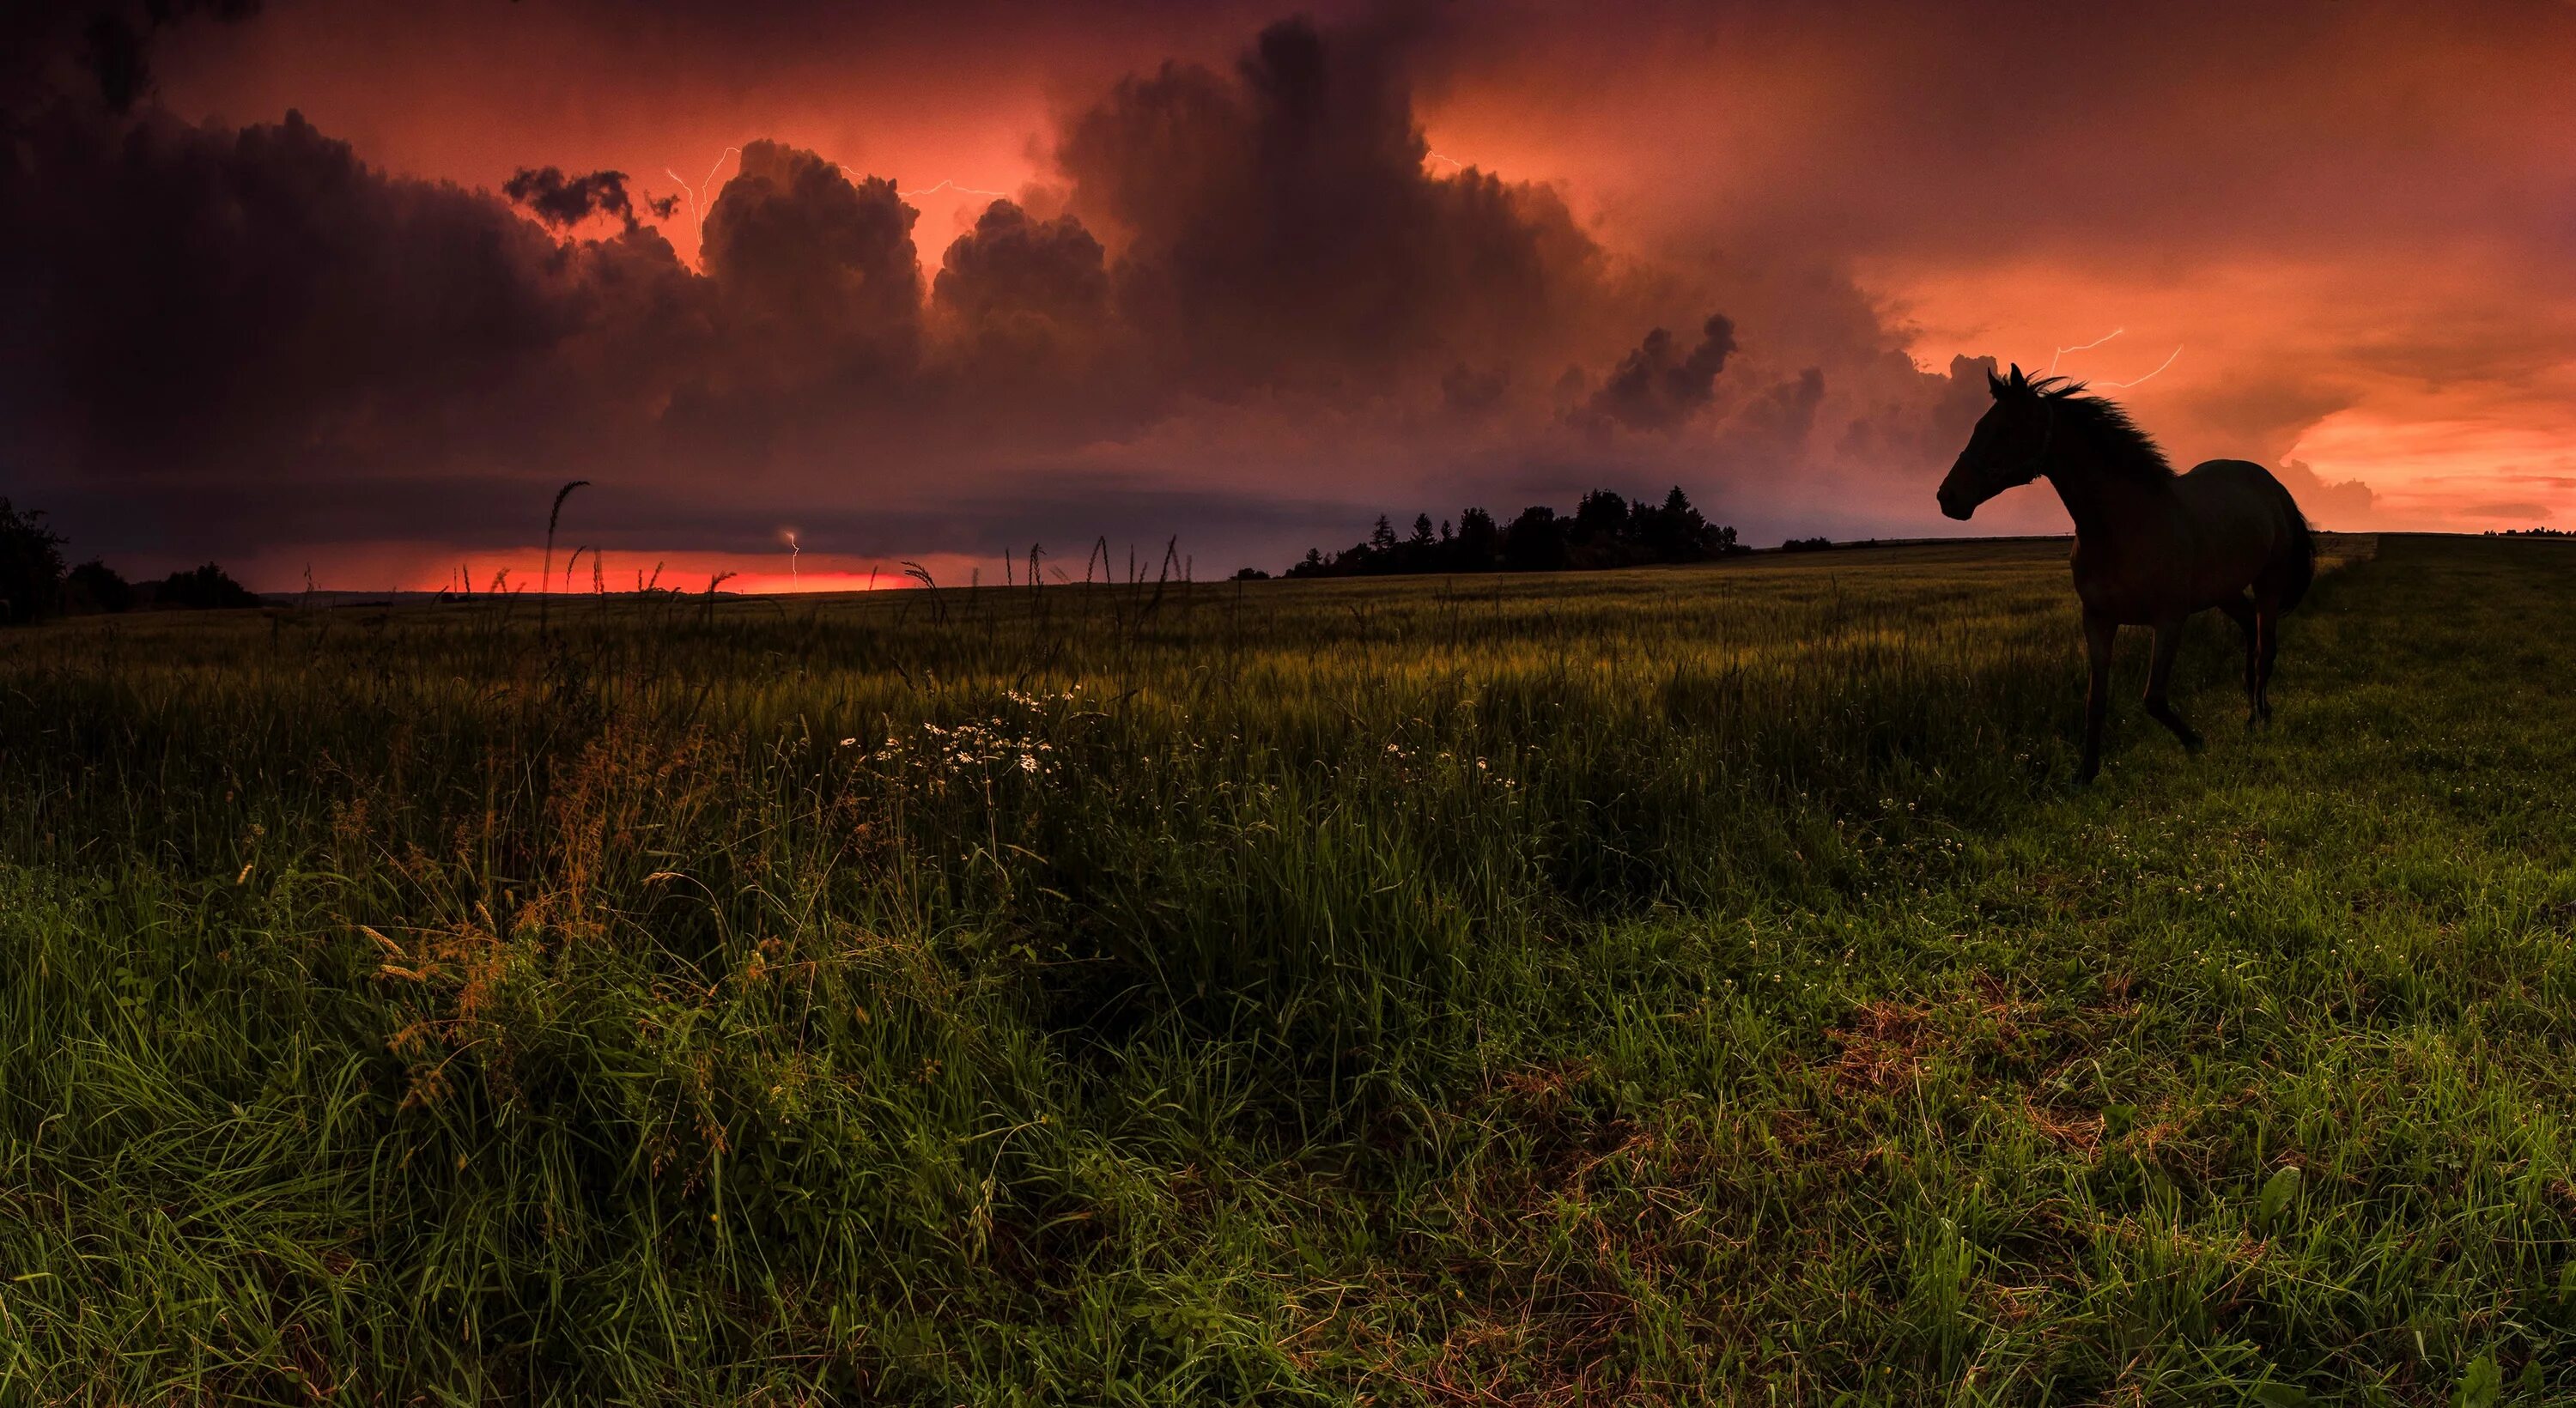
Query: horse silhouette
x=2151, y=546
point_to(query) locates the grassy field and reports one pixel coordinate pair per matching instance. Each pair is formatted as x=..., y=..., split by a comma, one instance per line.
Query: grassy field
x=1669, y=986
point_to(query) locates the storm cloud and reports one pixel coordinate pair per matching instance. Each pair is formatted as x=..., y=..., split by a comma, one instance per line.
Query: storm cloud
x=1657, y=385
x=564, y=201
x=199, y=299
x=1280, y=228
x=1241, y=275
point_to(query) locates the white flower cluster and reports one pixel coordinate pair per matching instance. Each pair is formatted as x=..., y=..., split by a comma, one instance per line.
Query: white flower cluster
x=1410, y=765
x=980, y=748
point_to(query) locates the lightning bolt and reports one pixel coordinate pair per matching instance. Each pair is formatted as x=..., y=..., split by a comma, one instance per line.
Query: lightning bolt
x=794, y=549
x=2081, y=347
x=697, y=211
x=952, y=186
x=2160, y=366
x=2115, y=332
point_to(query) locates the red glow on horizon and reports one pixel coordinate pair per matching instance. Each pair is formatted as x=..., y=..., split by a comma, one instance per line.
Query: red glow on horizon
x=431, y=567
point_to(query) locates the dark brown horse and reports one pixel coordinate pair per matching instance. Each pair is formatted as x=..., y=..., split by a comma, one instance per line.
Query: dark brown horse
x=2151, y=546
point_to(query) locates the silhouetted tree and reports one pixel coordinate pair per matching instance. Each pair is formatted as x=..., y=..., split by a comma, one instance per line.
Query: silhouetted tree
x=205, y=587
x=1480, y=543
x=1251, y=574
x=1676, y=532
x=1534, y=543
x=95, y=586
x=1601, y=516
x=1605, y=530
x=31, y=565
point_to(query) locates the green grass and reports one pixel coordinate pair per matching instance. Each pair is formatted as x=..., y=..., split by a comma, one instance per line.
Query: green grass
x=1678, y=985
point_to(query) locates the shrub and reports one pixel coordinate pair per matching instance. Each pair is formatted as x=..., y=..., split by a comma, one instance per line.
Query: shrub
x=95, y=586
x=204, y=587
x=31, y=566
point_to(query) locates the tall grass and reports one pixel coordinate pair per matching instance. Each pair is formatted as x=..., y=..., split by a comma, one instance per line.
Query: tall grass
x=1637, y=986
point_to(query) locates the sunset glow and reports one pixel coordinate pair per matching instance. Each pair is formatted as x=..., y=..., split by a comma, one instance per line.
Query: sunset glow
x=1193, y=271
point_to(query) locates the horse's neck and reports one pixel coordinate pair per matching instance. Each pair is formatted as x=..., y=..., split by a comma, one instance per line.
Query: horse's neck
x=2107, y=506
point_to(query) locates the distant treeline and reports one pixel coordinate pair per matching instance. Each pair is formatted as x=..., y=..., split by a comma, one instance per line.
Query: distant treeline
x=1606, y=529
x=34, y=583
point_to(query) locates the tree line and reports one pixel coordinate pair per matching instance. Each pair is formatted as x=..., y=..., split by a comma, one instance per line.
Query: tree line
x=35, y=584
x=1606, y=529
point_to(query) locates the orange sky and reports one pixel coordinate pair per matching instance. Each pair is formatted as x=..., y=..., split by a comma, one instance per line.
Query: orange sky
x=2341, y=230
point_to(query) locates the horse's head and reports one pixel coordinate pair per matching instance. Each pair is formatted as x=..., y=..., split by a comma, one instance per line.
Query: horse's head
x=2010, y=445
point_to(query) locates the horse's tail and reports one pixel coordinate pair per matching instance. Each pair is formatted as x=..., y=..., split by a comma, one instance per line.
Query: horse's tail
x=2301, y=569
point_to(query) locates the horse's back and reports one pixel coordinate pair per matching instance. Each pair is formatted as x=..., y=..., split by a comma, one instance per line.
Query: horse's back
x=2245, y=513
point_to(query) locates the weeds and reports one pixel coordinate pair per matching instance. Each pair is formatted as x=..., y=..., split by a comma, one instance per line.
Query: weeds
x=1662, y=986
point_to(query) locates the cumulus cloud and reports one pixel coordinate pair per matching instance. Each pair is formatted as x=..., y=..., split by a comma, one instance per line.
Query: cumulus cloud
x=1251, y=290
x=814, y=271
x=1279, y=227
x=565, y=201
x=1656, y=385
x=2345, y=504
x=204, y=299
x=1784, y=414
x=1012, y=267
x=104, y=48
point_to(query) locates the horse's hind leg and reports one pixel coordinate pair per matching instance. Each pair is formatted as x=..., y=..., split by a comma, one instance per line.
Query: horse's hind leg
x=2160, y=676
x=2241, y=611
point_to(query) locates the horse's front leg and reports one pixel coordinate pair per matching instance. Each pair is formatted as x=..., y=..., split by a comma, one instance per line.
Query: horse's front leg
x=2160, y=677
x=2241, y=611
x=2100, y=632
x=2267, y=622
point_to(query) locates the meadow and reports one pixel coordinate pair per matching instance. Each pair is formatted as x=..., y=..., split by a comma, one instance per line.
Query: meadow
x=1673, y=985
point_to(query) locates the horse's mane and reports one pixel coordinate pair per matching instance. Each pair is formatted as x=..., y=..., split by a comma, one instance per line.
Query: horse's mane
x=2125, y=448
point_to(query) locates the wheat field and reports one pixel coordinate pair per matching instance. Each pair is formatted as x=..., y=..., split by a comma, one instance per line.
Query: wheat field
x=1675, y=985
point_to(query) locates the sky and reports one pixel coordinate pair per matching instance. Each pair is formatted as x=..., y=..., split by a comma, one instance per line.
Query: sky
x=809, y=290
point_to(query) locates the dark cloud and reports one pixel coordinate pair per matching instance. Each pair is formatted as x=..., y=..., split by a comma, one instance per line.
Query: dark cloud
x=196, y=299
x=1472, y=391
x=102, y=48
x=1024, y=307
x=565, y=201
x=2260, y=416
x=1252, y=279
x=1785, y=413
x=1010, y=267
x=2343, y=504
x=1278, y=225
x=1657, y=385
x=814, y=271
x=1927, y=422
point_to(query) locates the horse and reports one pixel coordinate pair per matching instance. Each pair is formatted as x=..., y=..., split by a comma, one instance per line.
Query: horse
x=2152, y=547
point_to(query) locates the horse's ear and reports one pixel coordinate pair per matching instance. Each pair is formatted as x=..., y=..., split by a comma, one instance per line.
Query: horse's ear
x=1995, y=384
x=2019, y=382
